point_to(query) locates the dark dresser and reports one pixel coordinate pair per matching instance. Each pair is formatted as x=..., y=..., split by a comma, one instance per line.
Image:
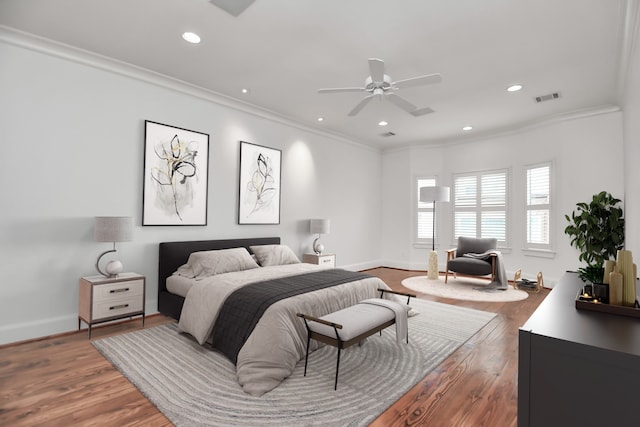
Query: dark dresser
x=578, y=367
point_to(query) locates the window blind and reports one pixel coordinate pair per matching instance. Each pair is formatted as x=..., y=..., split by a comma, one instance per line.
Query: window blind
x=480, y=205
x=538, y=206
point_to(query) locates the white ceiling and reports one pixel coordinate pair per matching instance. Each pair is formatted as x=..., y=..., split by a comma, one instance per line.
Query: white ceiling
x=284, y=50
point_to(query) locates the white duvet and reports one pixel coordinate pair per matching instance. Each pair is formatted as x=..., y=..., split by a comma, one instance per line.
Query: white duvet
x=279, y=339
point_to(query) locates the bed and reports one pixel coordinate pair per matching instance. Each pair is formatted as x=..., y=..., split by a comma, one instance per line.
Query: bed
x=277, y=341
x=171, y=255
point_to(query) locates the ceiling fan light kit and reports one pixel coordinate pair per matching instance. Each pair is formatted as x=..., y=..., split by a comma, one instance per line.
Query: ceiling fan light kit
x=378, y=84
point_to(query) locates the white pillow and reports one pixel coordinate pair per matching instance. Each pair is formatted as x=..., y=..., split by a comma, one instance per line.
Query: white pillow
x=209, y=263
x=274, y=255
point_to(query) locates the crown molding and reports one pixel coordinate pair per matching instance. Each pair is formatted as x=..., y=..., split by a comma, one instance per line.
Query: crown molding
x=514, y=129
x=50, y=47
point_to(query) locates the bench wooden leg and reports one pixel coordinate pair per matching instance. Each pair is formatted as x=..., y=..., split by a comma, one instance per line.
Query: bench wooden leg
x=335, y=386
x=306, y=357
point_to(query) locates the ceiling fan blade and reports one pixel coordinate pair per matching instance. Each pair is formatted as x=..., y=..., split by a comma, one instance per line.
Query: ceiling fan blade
x=342, y=89
x=418, y=81
x=422, y=111
x=361, y=105
x=376, y=68
x=401, y=102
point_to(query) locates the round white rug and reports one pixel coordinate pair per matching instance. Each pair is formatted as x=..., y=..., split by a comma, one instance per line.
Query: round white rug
x=464, y=288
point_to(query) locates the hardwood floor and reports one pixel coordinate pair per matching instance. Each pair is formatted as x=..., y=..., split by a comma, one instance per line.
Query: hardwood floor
x=478, y=384
x=64, y=381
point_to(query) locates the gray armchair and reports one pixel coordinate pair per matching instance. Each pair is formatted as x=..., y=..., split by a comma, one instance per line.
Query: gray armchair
x=457, y=263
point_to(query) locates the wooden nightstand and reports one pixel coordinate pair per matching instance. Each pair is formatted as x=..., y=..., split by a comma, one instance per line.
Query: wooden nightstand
x=328, y=260
x=102, y=299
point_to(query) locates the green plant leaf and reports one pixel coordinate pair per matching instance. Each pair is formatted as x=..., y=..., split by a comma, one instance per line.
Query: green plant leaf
x=596, y=229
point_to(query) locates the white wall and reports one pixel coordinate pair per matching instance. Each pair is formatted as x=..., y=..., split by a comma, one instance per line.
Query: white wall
x=632, y=147
x=72, y=148
x=587, y=154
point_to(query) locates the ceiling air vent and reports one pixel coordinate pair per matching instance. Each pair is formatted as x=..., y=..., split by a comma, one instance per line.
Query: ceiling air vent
x=549, y=97
x=387, y=134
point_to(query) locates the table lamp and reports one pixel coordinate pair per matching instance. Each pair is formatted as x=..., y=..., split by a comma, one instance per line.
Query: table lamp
x=319, y=226
x=112, y=229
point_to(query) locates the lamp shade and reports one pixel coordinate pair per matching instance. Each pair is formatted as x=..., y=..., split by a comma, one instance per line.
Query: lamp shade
x=319, y=226
x=113, y=229
x=434, y=194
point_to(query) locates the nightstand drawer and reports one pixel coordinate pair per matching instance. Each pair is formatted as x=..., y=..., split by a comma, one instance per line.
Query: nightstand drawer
x=117, y=291
x=120, y=307
x=328, y=260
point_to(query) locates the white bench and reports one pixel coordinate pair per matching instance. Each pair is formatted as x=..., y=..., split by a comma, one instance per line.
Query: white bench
x=351, y=325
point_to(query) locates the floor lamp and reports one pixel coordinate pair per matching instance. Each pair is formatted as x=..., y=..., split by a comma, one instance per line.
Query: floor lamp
x=433, y=194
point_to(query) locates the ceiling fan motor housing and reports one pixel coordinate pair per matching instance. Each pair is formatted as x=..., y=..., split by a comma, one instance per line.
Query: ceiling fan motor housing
x=370, y=85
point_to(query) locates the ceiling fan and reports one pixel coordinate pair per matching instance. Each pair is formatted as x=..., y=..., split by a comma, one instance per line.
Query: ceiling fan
x=380, y=85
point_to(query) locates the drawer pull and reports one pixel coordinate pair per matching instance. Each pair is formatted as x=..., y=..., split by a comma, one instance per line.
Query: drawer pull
x=113, y=291
x=116, y=307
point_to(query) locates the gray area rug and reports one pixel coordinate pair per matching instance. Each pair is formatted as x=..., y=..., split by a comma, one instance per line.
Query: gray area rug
x=194, y=386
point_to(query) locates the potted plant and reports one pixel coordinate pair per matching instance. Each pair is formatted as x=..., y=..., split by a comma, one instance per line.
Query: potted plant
x=597, y=231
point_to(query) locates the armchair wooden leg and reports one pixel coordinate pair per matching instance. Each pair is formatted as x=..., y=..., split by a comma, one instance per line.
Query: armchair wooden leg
x=446, y=276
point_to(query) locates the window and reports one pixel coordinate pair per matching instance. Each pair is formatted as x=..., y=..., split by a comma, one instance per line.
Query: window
x=424, y=223
x=539, y=206
x=480, y=205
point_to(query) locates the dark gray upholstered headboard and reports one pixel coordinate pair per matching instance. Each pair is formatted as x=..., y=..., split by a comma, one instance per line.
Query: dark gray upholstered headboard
x=173, y=254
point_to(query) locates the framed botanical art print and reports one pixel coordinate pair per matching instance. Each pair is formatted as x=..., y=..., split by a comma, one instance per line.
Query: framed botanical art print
x=176, y=163
x=260, y=173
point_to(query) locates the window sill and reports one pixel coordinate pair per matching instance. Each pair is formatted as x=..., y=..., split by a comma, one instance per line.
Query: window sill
x=540, y=253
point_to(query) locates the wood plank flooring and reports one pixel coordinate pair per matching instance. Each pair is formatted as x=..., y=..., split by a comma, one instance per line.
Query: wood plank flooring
x=64, y=381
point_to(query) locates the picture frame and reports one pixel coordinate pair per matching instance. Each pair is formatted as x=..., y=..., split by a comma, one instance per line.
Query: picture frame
x=259, y=184
x=176, y=174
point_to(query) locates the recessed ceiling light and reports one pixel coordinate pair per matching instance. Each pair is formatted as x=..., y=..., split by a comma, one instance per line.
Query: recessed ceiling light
x=382, y=123
x=191, y=37
x=245, y=90
x=320, y=119
x=514, y=88
x=467, y=128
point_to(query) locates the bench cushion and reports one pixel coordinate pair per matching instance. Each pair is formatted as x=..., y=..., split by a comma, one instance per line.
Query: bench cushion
x=355, y=320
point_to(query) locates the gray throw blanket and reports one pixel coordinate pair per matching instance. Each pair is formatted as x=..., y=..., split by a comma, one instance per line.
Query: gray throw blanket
x=401, y=313
x=244, y=307
x=500, y=280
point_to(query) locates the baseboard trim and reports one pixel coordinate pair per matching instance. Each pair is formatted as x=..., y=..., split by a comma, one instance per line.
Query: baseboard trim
x=19, y=333
x=83, y=330
x=362, y=266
